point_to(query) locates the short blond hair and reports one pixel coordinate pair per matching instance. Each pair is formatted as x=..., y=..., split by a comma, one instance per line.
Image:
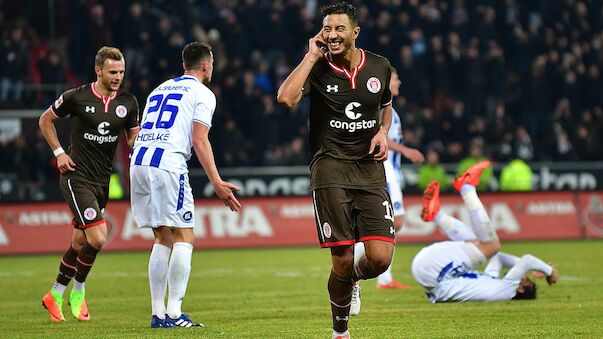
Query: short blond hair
x=105, y=53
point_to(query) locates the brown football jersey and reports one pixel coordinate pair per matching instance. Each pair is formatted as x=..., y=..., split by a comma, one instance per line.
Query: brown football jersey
x=345, y=110
x=96, y=123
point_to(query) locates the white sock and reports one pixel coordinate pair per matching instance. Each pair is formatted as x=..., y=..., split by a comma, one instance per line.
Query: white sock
x=499, y=261
x=58, y=287
x=528, y=263
x=337, y=334
x=158, y=268
x=507, y=260
x=178, y=273
x=480, y=222
x=78, y=286
x=494, y=266
x=386, y=277
x=455, y=229
x=358, y=251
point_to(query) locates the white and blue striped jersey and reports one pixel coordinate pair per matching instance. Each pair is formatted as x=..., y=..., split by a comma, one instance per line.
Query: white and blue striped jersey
x=166, y=135
x=394, y=158
x=447, y=271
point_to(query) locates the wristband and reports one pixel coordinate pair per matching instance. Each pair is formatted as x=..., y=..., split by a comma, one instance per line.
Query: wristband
x=58, y=151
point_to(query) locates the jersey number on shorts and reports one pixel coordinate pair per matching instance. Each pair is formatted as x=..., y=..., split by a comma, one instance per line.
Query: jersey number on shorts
x=389, y=211
x=160, y=103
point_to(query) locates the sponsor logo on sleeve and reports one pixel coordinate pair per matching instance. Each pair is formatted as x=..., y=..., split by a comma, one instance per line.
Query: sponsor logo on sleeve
x=58, y=102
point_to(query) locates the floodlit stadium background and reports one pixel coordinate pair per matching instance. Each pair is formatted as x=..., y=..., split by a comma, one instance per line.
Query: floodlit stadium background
x=509, y=80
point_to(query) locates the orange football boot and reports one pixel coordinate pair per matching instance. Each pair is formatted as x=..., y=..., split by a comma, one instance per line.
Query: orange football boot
x=394, y=284
x=471, y=175
x=431, y=201
x=53, y=301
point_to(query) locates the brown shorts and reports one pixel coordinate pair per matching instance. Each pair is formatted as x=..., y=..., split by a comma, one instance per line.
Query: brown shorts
x=86, y=201
x=345, y=216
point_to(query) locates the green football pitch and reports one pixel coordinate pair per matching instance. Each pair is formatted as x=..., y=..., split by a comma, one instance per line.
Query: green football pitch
x=281, y=293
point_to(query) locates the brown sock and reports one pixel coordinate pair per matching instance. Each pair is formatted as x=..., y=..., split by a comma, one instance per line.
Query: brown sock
x=363, y=270
x=85, y=260
x=67, y=267
x=340, y=291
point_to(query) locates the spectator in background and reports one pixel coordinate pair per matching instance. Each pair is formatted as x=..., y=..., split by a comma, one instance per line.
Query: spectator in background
x=136, y=34
x=524, y=149
x=52, y=72
x=522, y=55
x=476, y=154
x=516, y=176
x=432, y=170
x=14, y=66
x=99, y=30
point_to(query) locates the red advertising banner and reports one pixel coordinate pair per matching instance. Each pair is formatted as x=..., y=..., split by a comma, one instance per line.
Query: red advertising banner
x=289, y=221
x=591, y=214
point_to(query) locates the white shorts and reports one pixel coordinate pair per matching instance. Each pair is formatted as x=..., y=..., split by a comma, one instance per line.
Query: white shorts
x=444, y=260
x=394, y=188
x=161, y=198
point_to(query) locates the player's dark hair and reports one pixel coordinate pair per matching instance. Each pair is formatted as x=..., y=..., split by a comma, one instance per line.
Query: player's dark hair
x=342, y=7
x=105, y=53
x=194, y=53
x=529, y=292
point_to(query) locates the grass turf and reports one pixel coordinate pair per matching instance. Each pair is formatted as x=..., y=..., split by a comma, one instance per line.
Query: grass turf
x=281, y=293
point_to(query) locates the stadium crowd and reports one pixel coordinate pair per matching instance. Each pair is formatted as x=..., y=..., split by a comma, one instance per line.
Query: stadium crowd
x=522, y=79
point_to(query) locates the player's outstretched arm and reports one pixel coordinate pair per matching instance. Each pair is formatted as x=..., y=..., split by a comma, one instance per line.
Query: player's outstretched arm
x=46, y=123
x=553, y=277
x=204, y=151
x=530, y=263
x=290, y=92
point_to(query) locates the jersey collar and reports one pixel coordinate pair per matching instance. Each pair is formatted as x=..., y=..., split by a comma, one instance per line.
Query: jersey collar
x=106, y=100
x=186, y=76
x=349, y=74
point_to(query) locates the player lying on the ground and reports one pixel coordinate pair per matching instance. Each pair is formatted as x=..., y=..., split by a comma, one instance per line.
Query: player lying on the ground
x=447, y=269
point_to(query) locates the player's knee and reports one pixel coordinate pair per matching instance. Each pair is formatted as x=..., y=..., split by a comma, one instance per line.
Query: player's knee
x=98, y=241
x=380, y=263
x=77, y=244
x=343, y=266
x=495, y=246
x=491, y=248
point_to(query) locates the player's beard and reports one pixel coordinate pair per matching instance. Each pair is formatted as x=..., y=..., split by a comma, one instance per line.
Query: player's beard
x=109, y=85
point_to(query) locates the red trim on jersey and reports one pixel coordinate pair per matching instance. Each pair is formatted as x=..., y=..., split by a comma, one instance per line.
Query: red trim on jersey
x=337, y=243
x=82, y=227
x=52, y=111
x=354, y=73
x=106, y=100
x=378, y=237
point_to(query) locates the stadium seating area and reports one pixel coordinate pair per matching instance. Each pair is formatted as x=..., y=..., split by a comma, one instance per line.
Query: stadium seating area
x=521, y=76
